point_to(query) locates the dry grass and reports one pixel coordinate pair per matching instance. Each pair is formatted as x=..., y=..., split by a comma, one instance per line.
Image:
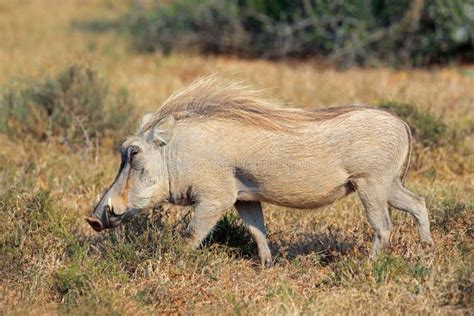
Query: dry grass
x=53, y=262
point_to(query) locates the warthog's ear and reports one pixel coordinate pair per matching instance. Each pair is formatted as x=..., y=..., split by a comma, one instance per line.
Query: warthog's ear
x=161, y=133
x=144, y=120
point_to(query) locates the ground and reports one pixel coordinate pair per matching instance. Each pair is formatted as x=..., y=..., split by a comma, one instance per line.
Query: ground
x=57, y=263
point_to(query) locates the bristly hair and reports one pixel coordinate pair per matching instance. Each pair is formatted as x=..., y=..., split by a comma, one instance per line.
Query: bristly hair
x=213, y=97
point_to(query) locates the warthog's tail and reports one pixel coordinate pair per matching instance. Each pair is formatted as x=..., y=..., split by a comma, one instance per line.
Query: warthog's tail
x=406, y=165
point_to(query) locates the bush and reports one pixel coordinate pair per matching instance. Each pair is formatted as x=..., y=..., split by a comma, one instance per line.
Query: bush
x=76, y=106
x=351, y=32
x=426, y=129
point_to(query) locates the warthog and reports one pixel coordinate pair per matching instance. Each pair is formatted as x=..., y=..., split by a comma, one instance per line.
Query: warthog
x=217, y=144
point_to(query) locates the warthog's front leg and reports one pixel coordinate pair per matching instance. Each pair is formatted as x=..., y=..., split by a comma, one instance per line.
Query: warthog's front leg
x=207, y=214
x=252, y=216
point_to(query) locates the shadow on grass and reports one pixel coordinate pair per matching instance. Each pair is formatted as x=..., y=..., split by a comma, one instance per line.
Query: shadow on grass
x=231, y=235
x=328, y=246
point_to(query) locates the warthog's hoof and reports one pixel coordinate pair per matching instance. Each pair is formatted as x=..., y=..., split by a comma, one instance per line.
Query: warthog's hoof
x=428, y=246
x=266, y=262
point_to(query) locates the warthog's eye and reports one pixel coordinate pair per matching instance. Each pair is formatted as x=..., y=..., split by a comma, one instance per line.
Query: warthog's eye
x=133, y=152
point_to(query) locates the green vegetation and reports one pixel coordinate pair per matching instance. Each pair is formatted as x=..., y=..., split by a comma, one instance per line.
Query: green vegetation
x=349, y=32
x=75, y=107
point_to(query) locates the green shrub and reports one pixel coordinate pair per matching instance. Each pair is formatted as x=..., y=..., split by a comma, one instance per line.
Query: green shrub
x=426, y=129
x=351, y=32
x=75, y=107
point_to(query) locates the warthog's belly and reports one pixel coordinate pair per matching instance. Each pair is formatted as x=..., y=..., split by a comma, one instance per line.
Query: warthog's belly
x=306, y=198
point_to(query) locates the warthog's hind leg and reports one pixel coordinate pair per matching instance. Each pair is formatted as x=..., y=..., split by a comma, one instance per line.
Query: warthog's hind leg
x=252, y=216
x=374, y=196
x=414, y=204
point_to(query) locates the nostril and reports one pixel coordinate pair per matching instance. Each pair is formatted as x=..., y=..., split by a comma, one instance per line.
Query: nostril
x=95, y=223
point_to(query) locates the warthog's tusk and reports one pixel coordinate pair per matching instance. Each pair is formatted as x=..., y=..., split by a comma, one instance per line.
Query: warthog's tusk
x=109, y=204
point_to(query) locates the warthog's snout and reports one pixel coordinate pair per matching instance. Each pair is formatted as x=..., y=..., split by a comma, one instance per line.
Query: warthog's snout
x=95, y=223
x=104, y=216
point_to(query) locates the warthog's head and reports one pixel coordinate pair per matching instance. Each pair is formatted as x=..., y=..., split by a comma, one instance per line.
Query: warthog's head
x=142, y=181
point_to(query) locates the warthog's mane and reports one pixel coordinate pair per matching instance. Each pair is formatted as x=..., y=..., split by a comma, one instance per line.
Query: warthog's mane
x=213, y=97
